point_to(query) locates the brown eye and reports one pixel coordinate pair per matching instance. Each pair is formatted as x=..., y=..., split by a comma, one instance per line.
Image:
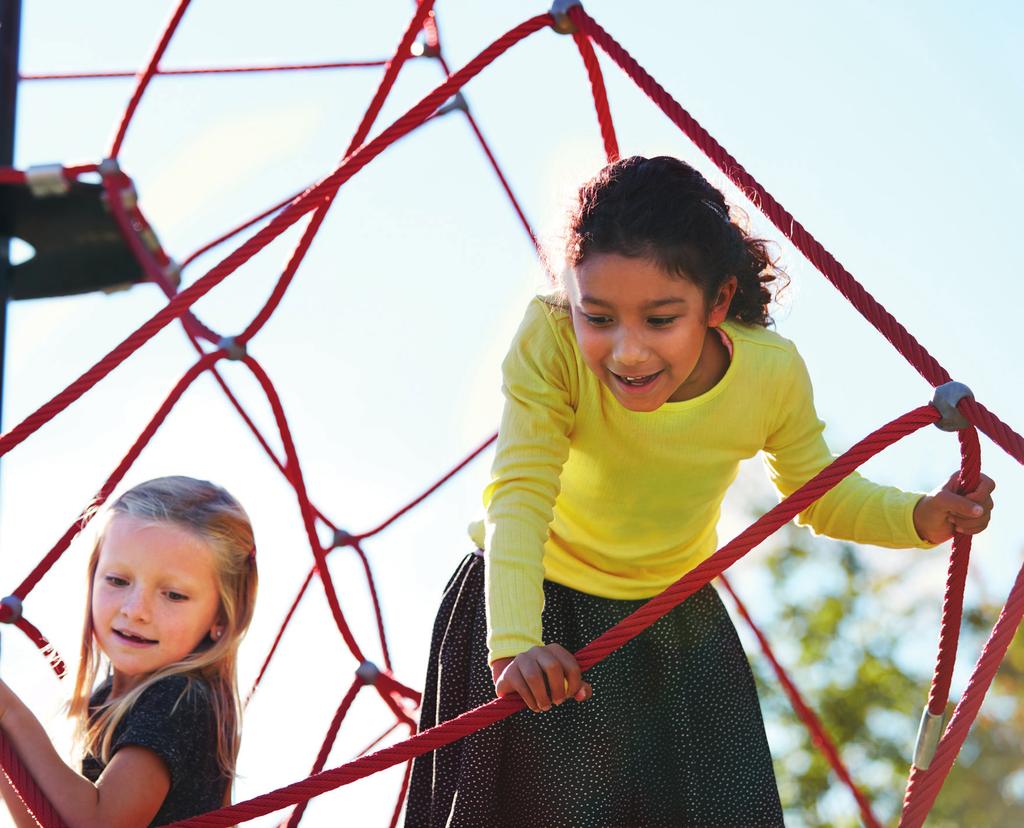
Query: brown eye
x=177, y=597
x=597, y=321
x=661, y=321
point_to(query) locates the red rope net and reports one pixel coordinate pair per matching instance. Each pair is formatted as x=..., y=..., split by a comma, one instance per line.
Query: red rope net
x=400, y=699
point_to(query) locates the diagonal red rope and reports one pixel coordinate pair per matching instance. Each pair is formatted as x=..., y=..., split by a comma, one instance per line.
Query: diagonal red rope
x=147, y=75
x=373, y=110
x=308, y=201
x=328, y=743
x=39, y=807
x=604, y=112
x=819, y=736
x=598, y=649
x=923, y=786
x=825, y=262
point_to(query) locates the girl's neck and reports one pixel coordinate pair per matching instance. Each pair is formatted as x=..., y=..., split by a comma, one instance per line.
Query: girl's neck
x=711, y=367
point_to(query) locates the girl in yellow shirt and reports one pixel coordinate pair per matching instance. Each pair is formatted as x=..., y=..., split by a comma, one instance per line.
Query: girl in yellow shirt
x=630, y=401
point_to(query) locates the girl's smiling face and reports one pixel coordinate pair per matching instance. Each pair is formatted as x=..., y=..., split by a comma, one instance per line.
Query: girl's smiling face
x=154, y=597
x=644, y=332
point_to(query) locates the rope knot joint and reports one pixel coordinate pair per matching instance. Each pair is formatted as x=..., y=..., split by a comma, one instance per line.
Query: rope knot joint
x=368, y=672
x=235, y=349
x=424, y=50
x=12, y=603
x=456, y=102
x=342, y=538
x=946, y=399
x=561, y=22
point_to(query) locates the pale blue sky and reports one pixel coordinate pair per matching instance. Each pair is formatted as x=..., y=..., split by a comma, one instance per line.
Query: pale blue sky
x=890, y=130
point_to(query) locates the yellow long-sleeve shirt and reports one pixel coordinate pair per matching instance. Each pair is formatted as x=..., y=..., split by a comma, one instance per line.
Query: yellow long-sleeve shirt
x=619, y=503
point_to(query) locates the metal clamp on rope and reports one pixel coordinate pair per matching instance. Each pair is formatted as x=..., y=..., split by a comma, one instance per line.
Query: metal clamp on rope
x=235, y=349
x=928, y=734
x=560, y=12
x=45, y=180
x=172, y=273
x=108, y=167
x=946, y=399
x=13, y=604
x=421, y=49
x=342, y=538
x=368, y=672
x=456, y=102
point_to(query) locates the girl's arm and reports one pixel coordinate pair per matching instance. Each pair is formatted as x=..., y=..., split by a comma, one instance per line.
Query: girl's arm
x=127, y=795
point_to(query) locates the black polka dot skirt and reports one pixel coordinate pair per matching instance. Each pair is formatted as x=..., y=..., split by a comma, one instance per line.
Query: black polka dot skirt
x=673, y=735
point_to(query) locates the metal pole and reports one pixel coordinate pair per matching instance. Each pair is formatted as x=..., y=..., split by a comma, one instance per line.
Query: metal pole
x=10, y=35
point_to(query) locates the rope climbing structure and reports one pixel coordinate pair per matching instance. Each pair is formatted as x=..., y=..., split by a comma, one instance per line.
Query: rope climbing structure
x=953, y=408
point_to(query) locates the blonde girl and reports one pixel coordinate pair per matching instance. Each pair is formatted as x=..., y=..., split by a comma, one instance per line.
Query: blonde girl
x=171, y=587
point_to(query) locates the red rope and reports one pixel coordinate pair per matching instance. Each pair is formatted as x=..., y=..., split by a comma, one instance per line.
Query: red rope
x=328, y=743
x=923, y=786
x=212, y=70
x=604, y=112
x=598, y=649
x=115, y=477
x=39, y=807
x=352, y=165
x=420, y=498
x=818, y=733
x=280, y=633
x=401, y=795
x=147, y=75
x=956, y=580
x=372, y=586
x=385, y=87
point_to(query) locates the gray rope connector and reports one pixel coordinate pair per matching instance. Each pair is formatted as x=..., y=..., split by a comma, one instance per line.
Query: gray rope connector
x=368, y=672
x=341, y=538
x=928, y=734
x=108, y=166
x=946, y=398
x=13, y=603
x=560, y=11
x=456, y=102
x=236, y=350
x=45, y=180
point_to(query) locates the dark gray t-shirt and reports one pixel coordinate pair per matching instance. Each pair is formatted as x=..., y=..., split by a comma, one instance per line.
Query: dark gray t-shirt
x=174, y=719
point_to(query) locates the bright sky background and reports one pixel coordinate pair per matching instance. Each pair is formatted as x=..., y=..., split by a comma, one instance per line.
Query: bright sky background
x=891, y=131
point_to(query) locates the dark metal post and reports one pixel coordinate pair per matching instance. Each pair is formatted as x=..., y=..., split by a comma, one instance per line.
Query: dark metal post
x=10, y=35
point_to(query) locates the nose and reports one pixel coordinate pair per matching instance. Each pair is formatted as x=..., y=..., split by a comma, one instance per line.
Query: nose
x=630, y=348
x=135, y=605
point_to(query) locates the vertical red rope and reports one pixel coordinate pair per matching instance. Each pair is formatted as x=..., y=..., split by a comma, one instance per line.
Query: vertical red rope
x=956, y=580
x=401, y=795
x=819, y=736
x=604, y=112
x=147, y=75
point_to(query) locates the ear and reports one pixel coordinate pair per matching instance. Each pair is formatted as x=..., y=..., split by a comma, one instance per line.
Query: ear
x=720, y=309
x=216, y=631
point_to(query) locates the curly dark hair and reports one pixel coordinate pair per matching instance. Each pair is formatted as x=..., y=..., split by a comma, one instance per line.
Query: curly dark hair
x=663, y=209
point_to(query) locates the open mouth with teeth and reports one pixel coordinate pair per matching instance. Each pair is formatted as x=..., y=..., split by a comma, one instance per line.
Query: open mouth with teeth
x=132, y=638
x=638, y=380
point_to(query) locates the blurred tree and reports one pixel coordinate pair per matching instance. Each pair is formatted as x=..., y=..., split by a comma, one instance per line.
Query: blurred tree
x=860, y=644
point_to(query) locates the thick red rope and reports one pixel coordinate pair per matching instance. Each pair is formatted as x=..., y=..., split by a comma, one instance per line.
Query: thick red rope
x=923, y=786
x=39, y=807
x=818, y=733
x=308, y=201
x=629, y=628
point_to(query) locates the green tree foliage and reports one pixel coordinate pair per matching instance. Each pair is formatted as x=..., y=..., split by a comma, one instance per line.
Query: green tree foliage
x=860, y=644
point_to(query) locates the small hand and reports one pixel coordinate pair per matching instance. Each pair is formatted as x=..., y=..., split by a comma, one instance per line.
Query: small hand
x=938, y=515
x=542, y=676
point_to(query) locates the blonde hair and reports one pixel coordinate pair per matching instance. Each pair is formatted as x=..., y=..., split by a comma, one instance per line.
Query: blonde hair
x=216, y=518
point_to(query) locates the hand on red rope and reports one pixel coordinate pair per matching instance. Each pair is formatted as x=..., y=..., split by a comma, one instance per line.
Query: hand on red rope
x=541, y=677
x=944, y=512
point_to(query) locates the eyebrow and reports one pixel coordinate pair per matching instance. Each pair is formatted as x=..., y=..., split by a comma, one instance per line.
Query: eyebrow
x=657, y=303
